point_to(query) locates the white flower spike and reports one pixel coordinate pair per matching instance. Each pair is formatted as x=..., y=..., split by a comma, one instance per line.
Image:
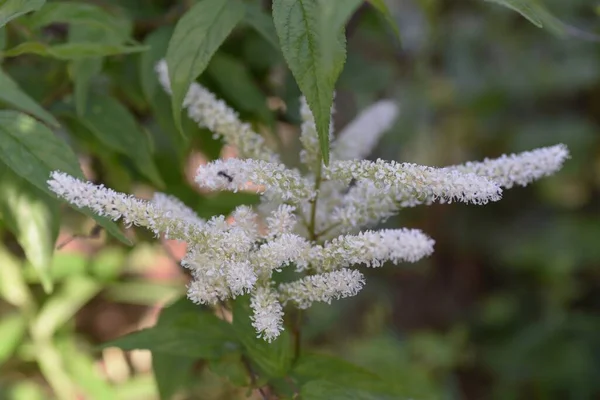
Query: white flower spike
x=311, y=223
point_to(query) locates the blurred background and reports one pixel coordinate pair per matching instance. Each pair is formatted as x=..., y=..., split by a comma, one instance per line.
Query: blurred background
x=506, y=308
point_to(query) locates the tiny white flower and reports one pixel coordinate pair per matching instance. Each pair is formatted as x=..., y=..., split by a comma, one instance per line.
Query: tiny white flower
x=416, y=184
x=212, y=113
x=322, y=287
x=240, y=277
x=281, y=251
x=281, y=221
x=176, y=207
x=268, y=313
x=274, y=181
x=518, y=169
x=372, y=248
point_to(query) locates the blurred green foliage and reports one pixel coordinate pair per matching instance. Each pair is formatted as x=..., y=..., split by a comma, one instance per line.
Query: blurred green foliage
x=507, y=308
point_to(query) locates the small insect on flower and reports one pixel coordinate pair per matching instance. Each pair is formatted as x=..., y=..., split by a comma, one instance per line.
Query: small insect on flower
x=314, y=223
x=225, y=175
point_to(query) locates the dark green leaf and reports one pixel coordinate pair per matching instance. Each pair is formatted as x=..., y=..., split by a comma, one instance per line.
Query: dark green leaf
x=539, y=15
x=310, y=367
x=324, y=390
x=262, y=23
x=197, y=36
x=171, y=372
x=71, y=51
x=83, y=70
x=237, y=84
x=32, y=216
x=273, y=359
x=184, y=330
x=32, y=151
x=114, y=126
x=383, y=9
x=82, y=73
x=157, y=43
x=527, y=8
x=231, y=367
x=10, y=9
x=299, y=25
x=11, y=93
x=79, y=13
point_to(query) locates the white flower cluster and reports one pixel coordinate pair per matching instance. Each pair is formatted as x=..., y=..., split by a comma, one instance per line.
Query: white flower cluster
x=311, y=223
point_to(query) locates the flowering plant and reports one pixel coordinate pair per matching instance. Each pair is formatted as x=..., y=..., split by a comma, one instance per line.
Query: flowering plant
x=317, y=222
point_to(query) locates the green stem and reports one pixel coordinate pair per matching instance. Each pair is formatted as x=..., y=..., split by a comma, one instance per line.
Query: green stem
x=313, y=211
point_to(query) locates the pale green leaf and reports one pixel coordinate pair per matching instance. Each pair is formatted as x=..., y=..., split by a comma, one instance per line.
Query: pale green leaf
x=12, y=329
x=84, y=371
x=32, y=216
x=13, y=287
x=197, y=36
x=32, y=151
x=74, y=293
x=71, y=51
x=11, y=9
x=300, y=28
x=10, y=93
x=115, y=127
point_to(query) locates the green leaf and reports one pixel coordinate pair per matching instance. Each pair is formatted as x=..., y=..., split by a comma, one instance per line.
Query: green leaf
x=113, y=125
x=77, y=13
x=312, y=366
x=11, y=9
x=186, y=330
x=62, y=306
x=32, y=216
x=157, y=43
x=231, y=367
x=273, y=359
x=383, y=9
x=262, y=23
x=12, y=94
x=84, y=371
x=71, y=51
x=527, y=8
x=197, y=36
x=538, y=14
x=324, y=390
x=12, y=329
x=13, y=287
x=83, y=70
x=32, y=151
x=172, y=372
x=300, y=27
x=237, y=84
